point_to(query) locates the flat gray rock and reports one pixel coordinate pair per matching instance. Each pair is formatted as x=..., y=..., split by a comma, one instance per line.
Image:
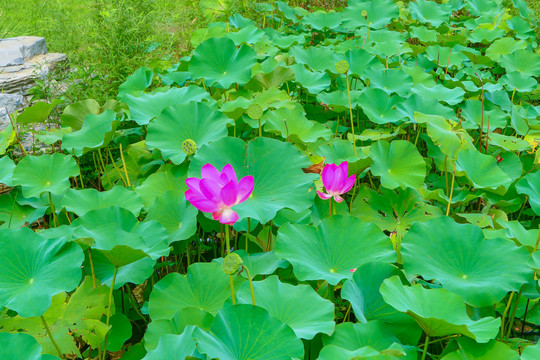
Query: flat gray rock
x=8, y=104
x=15, y=51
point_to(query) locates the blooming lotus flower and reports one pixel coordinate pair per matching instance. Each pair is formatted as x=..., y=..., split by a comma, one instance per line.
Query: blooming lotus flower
x=217, y=192
x=335, y=181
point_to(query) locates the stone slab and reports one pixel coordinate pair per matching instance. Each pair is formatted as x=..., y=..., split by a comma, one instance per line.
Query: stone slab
x=15, y=51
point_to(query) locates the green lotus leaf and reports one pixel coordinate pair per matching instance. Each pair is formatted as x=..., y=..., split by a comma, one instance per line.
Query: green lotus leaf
x=314, y=82
x=135, y=270
x=176, y=325
x=219, y=61
x=398, y=164
x=38, y=112
x=42, y=269
x=173, y=212
x=174, y=347
x=205, y=287
x=285, y=41
x=392, y=211
x=119, y=235
x=278, y=184
x=521, y=27
x=530, y=186
x=331, y=352
x=522, y=61
x=157, y=184
x=272, y=79
x=519, y=81
x=243, y=332
x=429, y=12
x=440, y=93
x=317, y=58
x=249, y=35
x=390, y=81
x=439, y=312
x=362, y=291
x=360, y=61
x=194, y=120
x=380, y=13
x=472, y=113
x=84, y=200
x=307, y=318
x=338, y=100
x=416, y=103
x=96, y=132
x=13, y=215
x=214, y=30
x=318, y=252
x=470, y=349
x=12, y=344
x=482, y=170
x=38, y=174
x=508, y=143
x=531, y=352
x=321, y=19
x=120, y=332
x=470, y=265
x=486, y=34
x=442, y=133
x=293, y=123
x=504, y=46
x=6, y=170
x=423, y=34
x=147, y=106
x=263, y=263
x=75, y=114
x=439, y=55
x=379, y=107
x=482, y=8
x=136, y=83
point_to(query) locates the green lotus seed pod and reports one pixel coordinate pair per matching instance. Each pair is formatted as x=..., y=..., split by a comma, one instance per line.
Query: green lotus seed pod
x=342, y=66
x=189, y=147
x=231, y=263
x=364, y=13
x=255, y=111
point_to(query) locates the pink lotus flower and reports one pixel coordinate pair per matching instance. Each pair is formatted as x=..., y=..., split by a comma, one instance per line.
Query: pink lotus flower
x=335, y=181
x=217, y=192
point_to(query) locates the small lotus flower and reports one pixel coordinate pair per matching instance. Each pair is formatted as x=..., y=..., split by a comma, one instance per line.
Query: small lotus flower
x=335, y=181
x=217, y=192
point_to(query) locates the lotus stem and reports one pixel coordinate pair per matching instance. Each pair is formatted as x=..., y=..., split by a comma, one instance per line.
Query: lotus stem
x=109, y=312
x=330, y=207
x=425, y=348
x=514, y=309
x=504, y=314
x=16, y=133
x=451, y=191
x=51, y=337
x=92, y=269
x=250, y=285
x=231, y=280
x=247, y=234
x=53, y=210
x=347, y=313
x=116, y=167
x=103, y=167
x=537, y=242
x=524, y=318
x=124, y=163
x=350, y=112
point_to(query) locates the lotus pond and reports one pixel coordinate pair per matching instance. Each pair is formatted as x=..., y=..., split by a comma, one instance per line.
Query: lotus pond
x=361, y=183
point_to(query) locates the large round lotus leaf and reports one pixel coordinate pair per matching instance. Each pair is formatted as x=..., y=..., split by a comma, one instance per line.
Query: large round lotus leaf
x=173, y=212
x=84, y=200
x=205, y=287
x=247, y=332
x=145, y=107
x=135, y=272
x=278, y=184
x=37, y=174
x=6, y=170
x=34, y=270
x=362, y=291
x=390, y=81
x=482, y=170
x=472, y=113
x=530, y=186
x=481, y=271
x=429, y=12
x=379, y=107
x=317, y=58
x=519, y=81
x=176, y=325
x=439, y=312
x=219, y=61
x=263, y=263
x=470, y=349
x=96, y=132
x=522, y=61
x=168, y=178
x=360, y=61
x=307, y=318
x=398, y=164
x=293, y=123
x=504, y=46
x=120, y=331
x=21, y=346
x=174, y=347
x=428, y=106
x=74, y=114
x=321, y=19
x=120, y=236
x=249, y=35
x=440, y=93
x=13, y=215
x=136, y=82
x=329, y=251
x=354, y=336
x=531, y=352
x=194, y=120
x=380, y=13
x=313, y=81
x=332, y=352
